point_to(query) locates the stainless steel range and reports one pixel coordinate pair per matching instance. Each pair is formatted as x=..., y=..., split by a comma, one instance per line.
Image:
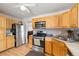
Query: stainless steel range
x=39, y=42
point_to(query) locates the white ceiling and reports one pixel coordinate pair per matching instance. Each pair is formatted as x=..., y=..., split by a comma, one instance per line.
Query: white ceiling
x=39, y=9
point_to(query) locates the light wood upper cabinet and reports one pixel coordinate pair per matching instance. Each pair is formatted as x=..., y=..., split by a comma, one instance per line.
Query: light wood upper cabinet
x=78, y=15
x=68, y=19
x=65, y=20
x=60, y=21
x=48, y=23
x=2, y=21
x=51, y=21
x=74, y=16
x=8, y=23
x=33, y=22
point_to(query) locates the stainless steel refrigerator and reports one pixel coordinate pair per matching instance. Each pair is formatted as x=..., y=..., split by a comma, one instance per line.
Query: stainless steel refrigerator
x=20, y=40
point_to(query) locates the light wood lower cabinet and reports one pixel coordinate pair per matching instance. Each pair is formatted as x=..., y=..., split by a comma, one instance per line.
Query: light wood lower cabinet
x=2, y=39
x=30, y=41
x=10, y=41
x=48, y=46
x=2, y=45
x=59, y=48
x=54, y=47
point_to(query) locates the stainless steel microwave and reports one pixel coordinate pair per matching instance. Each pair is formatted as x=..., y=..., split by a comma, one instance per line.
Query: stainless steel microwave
x=40, y=24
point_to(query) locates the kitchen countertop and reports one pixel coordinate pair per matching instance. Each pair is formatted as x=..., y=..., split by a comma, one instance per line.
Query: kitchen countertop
x=72, y=46
x=9, y=35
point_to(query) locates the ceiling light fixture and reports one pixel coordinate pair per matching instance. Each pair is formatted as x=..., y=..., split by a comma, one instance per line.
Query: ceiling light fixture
x=23, y=8
x=27, y=9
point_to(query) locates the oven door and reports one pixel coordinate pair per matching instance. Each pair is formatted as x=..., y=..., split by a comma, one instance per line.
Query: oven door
x=38, y=42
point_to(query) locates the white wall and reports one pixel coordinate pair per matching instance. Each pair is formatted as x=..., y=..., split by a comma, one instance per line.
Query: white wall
x=8, y=16
x=28, y=27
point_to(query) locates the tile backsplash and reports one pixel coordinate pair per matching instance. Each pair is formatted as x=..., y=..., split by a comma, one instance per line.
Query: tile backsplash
x=59, y=32
x=51, y=31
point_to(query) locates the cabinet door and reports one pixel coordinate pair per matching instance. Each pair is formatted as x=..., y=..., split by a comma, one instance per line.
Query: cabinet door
x=10, y=42
x=8, y=23
x=74, y=17
x=65, y=20
x=48, y=46
x=59, y=48
x=33, y=22
x=78, y=15
x=52, y=22
x=2, y=45
x=48, y=23
x=30, y=41
x=2, y=33
x=60, y=21
x=2, y=21
x=2, y=39
x=55, y=21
